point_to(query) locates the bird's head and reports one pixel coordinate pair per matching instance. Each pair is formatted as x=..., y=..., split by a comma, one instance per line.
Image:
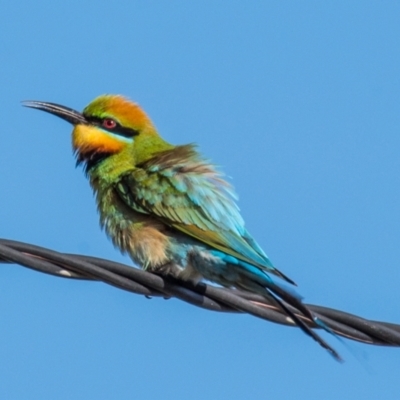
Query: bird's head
x=109, y=125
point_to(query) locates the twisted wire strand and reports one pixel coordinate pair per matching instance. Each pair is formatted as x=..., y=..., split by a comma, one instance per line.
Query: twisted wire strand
x=72, y=266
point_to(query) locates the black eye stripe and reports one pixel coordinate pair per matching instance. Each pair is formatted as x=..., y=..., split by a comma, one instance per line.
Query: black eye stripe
x=119, y=130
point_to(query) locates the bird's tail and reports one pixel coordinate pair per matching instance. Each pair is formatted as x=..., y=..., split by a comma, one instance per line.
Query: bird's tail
x=286, y=299
x=279, y=294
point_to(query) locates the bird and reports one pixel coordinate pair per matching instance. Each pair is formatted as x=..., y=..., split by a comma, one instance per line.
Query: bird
x=169, y=208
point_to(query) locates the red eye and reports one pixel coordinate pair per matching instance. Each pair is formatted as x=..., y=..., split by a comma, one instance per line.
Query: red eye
x=109, y=123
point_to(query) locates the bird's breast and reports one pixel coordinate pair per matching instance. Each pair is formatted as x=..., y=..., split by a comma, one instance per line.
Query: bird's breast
x=142, y=237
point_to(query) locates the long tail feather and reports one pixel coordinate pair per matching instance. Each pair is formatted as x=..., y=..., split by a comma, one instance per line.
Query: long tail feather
x=278, y=293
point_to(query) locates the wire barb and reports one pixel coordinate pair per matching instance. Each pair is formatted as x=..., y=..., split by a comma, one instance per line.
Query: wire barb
x=71, y=266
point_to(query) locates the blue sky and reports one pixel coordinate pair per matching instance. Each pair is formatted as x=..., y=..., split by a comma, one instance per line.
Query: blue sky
x=299, y=104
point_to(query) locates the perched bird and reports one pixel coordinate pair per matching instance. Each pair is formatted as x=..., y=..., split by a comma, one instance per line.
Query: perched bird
x=167, y=207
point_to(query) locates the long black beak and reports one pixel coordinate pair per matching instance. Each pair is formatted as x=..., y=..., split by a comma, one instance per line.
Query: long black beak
x=70, y=115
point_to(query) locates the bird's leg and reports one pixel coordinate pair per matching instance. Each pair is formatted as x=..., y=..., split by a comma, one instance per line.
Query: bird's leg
x=175, y=271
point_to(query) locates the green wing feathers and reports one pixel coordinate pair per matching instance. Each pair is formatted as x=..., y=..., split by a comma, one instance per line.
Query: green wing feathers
x=188, y=194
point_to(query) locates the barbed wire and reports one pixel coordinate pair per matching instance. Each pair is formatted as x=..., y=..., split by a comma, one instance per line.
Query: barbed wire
x=72, y=266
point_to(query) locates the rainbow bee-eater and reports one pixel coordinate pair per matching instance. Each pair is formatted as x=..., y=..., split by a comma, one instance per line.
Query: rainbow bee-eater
x=167, y=207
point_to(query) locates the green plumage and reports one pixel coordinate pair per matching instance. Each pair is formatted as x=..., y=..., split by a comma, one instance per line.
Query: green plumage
x=169, y=208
